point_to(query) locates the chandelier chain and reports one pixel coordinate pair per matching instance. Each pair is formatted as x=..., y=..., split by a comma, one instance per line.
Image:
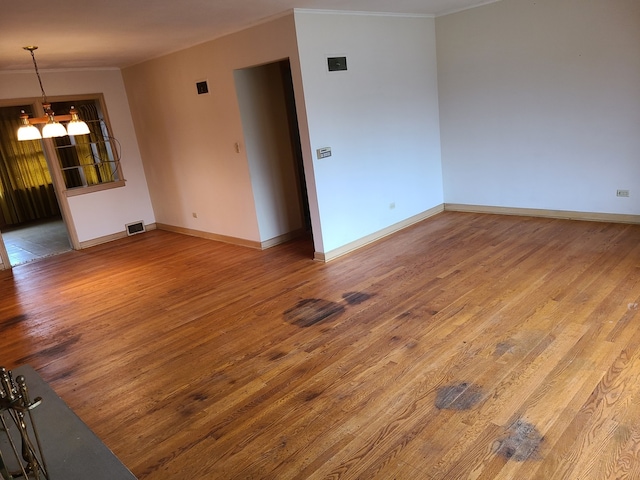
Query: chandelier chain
x=44, y=95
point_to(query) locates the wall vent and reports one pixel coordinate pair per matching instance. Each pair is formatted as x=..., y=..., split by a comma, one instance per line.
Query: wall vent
x=337, y=64
x=135, y=227
x=202, y=87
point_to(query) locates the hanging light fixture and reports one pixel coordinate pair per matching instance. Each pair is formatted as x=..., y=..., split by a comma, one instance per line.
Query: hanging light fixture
x=52, y=126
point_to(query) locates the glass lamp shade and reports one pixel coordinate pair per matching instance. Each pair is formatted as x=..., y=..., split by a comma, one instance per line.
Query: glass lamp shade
x=77, y=127
x=53, y=129
x=28, y=132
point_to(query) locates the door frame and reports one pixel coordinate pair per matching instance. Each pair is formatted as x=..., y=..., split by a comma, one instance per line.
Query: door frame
x=288, y=103
x=57, y=180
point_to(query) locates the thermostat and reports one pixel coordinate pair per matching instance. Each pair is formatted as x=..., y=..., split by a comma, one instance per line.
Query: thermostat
x=323, y=152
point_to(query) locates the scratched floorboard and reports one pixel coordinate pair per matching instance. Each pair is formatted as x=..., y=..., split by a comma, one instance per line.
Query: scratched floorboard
x=466, y=346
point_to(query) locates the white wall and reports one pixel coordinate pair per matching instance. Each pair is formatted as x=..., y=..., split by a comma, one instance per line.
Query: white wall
x=380, y=118
x=540, y=104
x=188, y=140
x=106, y=212
x=265, y=123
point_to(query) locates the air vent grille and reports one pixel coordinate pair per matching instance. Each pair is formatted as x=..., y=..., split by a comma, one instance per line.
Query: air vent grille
x=134, y=228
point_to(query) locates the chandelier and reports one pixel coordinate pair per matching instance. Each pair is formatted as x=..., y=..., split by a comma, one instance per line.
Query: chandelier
x=52, y=126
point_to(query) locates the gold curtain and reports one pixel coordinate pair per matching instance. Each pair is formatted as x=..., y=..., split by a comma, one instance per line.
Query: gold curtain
x=86, y=160
x=26, y=189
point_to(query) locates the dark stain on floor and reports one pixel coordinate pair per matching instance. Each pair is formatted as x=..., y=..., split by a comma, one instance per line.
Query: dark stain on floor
x=277, y=356
x=309, y=396
x=187, y=411
x=69, y=373
x=461, y=396
x=54, y=351
x=520, y=443
x=10, y=322
x=355, y=298
x=311, y=311
x=199, y=397
x=502, y=348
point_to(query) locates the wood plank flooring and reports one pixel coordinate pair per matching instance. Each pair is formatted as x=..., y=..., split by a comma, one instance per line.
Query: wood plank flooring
x=465, y=347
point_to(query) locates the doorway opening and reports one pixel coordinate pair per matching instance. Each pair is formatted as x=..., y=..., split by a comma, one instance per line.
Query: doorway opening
x=274, y=152
x=31, y=222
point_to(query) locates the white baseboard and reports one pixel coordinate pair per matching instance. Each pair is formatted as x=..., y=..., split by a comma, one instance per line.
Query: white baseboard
x=210, y=236
x=533, y=212
x=281, y=239
x=110, y=238
x=338, y=252
x=272, y=242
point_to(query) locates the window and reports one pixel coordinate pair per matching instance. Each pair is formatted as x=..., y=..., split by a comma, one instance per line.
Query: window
x=88, y=162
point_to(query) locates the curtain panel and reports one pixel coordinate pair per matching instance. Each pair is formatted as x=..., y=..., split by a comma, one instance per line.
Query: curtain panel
x=26, y=188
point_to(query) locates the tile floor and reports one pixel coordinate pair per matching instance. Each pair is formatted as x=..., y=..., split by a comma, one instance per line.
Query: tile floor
x=31, y=242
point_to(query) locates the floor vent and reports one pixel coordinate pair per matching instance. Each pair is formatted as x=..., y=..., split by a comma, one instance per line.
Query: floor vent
x=135, y=227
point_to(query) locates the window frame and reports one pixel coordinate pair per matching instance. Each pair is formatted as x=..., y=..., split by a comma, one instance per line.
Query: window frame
x=51, y=148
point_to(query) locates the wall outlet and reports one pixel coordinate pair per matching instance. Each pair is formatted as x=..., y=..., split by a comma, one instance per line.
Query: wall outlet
x=622, y=193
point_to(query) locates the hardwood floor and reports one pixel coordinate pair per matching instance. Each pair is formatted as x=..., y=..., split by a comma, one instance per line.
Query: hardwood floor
x=467, y=346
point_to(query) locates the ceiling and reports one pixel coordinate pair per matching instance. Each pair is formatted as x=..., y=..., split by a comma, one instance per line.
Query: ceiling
x=120, y=33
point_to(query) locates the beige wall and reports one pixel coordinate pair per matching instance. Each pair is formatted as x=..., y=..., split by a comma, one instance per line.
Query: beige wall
x=105, y=213
x=188, y=140
x=380, y=117
x=268, y=144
